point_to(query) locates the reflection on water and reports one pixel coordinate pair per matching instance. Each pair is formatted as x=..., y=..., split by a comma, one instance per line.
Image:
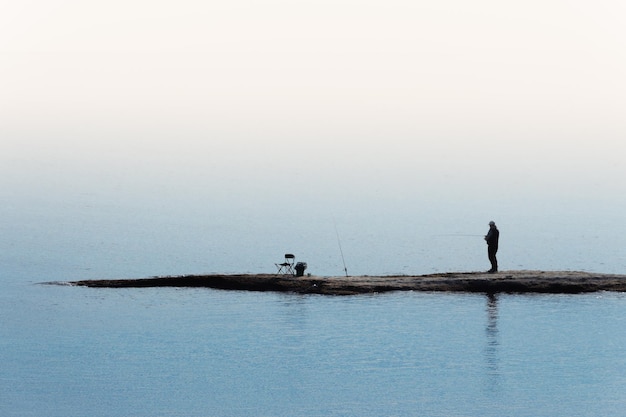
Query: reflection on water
x=491, y=348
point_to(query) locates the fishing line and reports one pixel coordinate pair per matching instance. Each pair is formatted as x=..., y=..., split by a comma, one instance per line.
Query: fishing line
x=459, y=235
x=340, y=250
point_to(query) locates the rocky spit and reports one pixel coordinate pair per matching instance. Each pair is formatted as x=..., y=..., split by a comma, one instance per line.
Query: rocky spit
x=565, y=282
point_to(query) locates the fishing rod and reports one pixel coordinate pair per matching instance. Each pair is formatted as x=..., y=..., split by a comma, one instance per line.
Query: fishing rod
x=340, y=250
x=460, y=235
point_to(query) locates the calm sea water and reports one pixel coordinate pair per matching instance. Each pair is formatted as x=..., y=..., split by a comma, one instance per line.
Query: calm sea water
x=183, y=352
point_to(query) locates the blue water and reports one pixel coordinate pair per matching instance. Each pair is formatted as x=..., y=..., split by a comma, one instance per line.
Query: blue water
x=200, y=352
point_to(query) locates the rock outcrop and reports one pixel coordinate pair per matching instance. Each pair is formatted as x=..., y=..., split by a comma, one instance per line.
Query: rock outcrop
x=507, y=281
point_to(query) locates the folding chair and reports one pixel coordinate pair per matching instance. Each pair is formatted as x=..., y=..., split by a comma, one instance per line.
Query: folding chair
x=286, y=267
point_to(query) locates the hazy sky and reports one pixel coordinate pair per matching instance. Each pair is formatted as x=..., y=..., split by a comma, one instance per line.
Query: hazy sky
x=192, y=131
x=385, y=94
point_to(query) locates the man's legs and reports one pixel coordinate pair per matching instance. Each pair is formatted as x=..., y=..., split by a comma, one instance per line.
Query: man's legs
x=492, y=258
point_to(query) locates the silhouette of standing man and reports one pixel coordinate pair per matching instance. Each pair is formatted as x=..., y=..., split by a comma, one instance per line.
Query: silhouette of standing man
x=492, y=246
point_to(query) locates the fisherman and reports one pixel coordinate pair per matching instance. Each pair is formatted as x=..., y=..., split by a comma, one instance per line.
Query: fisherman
x=492, y=246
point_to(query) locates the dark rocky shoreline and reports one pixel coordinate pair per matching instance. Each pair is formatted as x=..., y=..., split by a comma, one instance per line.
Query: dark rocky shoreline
x=565, y=282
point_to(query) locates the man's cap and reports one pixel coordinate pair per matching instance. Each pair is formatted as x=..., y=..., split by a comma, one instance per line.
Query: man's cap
x=492, y=223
